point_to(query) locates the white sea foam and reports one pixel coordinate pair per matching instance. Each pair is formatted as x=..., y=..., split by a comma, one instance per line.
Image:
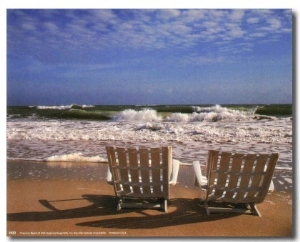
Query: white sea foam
x=179, y=117
x=278, y=130
x=76, y=157
x=46, y=137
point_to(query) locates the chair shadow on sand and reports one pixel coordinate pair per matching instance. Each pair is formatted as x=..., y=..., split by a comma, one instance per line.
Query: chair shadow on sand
x=100, y=205
x=187, y=211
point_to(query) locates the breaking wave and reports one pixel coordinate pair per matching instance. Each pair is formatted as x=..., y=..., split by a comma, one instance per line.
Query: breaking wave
x=208, y=114
x=148, y=115
x=163, y=113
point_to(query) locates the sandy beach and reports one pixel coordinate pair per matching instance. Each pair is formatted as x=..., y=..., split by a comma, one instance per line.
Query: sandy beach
x=76, y=201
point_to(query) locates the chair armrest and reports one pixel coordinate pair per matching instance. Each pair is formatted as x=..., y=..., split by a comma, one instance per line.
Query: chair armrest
x=271, y=187
x=175, y=171
x=200, y=180
x=109, y=177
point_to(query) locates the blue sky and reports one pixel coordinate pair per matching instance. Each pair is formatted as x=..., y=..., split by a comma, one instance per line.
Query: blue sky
x=149, y=56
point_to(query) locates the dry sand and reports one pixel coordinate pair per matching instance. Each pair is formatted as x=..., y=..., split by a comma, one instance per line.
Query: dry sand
x=49, y=206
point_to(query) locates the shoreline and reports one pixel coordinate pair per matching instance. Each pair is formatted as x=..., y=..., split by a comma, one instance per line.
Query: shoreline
x=76, y=201
x=96, y=171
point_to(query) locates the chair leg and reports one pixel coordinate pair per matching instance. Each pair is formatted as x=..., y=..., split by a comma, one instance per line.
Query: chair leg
x=254, y=210
x=119, y=207
x=165, y=204
x=206, y=208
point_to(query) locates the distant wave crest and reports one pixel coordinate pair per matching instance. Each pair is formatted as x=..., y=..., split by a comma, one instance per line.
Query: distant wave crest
x=63, y=107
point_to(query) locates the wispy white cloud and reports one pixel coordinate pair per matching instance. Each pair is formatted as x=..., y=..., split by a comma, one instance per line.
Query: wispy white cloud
x=274, y=23
x=237, y=15
x=253, y=20
x=150, y=29
x=193, y=15
x=167, y=14
x=29, y=26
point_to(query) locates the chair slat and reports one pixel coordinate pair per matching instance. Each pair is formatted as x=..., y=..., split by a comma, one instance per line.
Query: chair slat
x=156, y=174
x=211, y=166
x=223, y=163
x=167, y=164
x=123, y=172
x=134, y=173
x=145, y=174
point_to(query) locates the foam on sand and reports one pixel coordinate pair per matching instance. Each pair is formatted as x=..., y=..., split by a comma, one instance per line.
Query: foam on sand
x=75, y=157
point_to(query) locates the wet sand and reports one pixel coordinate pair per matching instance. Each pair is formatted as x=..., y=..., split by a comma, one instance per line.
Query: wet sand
x=76, y=201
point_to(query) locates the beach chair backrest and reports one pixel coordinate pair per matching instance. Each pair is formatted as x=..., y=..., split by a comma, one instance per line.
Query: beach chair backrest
x=140, y=172
x=239, y=178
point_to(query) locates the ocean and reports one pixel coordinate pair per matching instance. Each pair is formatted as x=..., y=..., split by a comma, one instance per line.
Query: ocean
x=79, y=133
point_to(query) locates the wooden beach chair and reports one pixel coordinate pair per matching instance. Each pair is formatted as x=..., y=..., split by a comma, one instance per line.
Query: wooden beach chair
x=141, y=177
x=235, y=182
